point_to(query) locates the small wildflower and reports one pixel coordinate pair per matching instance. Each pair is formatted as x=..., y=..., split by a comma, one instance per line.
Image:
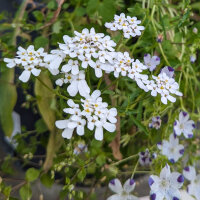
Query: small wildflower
x=145, y=157
x=156, y=122
x=151, y=62
x=122, y=192
x=184, y=125
x=172, y=149
x=166, y=186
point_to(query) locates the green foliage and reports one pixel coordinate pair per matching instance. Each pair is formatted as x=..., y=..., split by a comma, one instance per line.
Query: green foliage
x=25, y=192
x=32, y=174
x=8, y=100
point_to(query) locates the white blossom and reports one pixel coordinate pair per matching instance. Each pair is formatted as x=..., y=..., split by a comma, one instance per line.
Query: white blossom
x=29, y=59
x=184, y=125
x=122, y=193
x=129, y=25
x=166, y=186
x=80, y=148
x=172, y=149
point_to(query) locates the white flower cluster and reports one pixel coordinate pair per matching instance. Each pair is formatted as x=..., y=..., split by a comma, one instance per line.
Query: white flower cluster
x=165, y=86
x=30, y=60
x=94, y=112
x=89, y=48
x=129, y=25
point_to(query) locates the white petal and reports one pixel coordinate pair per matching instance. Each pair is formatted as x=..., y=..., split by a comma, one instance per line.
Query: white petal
x=61, y=124
x=73, y=88
x=165, y=172
x=129, y=185
x=24, y=77
x=98, y=133
x=80, y=130
x=72, y=125
x=189, y=173
x=83, y=88
x=35, y=71
x=116, y=186
x=67, y=133
x=96, y=94
x=114, y=197
x=109, y=127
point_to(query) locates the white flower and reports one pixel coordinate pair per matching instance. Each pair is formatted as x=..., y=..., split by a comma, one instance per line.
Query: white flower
x=166, y=186
x=156, y=123
x=172, y=149
x=72, y=66
x=122, y=193
x=129, y=25
x=77, y=83
x=70, y=125
x=151, y=62
x=184, y=125
x=28, y=70
x=194, y=186
x=54, y=59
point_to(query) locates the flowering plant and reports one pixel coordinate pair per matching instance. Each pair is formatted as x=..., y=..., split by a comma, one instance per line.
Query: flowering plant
x=113, y=95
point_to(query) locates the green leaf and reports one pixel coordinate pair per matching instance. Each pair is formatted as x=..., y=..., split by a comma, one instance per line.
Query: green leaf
x=81, y=175
x=52, y=4
x=108, y=92
x=101, y=159
x=32, y=174
x=7, y=101
x=25, y=192
x=140, y=125
x=56, y=27
x=105, y=8
x=44, y=99
x=40, y=42
x=38, y=15
x=41, y=126
x=47, y=180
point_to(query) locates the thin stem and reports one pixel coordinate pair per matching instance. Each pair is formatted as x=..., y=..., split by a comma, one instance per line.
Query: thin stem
x=134, y=170
x=159, y=44
x=125, y=159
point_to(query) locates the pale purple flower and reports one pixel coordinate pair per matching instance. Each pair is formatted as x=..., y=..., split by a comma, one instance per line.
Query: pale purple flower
x=145, y=157
x=151, y=62
x=172, y=149
x=193, y=58
x=184, y=125
x=169, y=71
x=156, y=122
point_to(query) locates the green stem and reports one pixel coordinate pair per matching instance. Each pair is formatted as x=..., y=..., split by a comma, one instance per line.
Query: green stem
x=134, y=170
x=125, y=159
x=159, y=44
